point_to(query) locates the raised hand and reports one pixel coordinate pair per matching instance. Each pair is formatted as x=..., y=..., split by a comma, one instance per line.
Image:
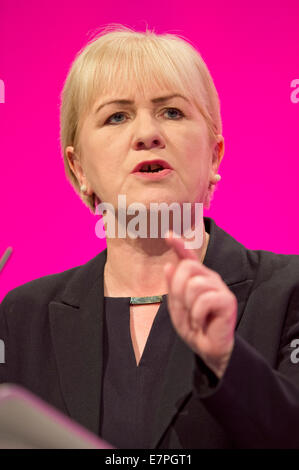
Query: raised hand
x=202, y=308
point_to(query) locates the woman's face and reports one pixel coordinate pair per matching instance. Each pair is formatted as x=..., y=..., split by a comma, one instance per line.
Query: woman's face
x=116, y=137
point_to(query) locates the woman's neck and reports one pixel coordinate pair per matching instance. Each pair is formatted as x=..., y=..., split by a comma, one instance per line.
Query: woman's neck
x=134, y=267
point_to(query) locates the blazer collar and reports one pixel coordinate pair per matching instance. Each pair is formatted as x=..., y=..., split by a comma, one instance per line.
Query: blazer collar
x=225, y=255
x=76, y=317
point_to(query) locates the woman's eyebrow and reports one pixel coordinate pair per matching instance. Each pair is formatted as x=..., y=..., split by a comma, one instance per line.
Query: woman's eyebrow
x=161, y=99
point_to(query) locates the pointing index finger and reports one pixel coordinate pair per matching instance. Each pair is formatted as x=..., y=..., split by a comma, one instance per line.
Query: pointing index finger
x=178, y=245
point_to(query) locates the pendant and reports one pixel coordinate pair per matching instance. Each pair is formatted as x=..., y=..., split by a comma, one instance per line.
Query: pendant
x=146, y=300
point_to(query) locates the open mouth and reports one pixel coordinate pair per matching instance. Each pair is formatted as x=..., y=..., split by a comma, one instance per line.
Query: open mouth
x=154, y=168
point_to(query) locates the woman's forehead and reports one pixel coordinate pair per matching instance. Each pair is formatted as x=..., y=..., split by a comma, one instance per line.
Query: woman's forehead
x=132, y=92
x=144, y=81
x=134, y=88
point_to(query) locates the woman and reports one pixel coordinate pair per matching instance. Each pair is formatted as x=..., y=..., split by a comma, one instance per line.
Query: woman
x=152, y=344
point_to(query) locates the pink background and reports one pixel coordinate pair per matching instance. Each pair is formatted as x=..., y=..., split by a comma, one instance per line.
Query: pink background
x=252, y=52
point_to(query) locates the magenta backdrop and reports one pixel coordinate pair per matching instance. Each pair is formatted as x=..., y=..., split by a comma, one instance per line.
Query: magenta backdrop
x=252, y=52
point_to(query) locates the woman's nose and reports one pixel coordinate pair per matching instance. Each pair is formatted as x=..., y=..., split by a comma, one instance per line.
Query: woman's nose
x=147, y=133
x=148, y=143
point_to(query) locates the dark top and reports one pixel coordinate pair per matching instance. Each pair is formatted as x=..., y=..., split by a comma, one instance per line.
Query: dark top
x=130, y=392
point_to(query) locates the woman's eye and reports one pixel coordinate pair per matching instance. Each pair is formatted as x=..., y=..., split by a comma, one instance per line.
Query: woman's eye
x=176, y=114
x=114, y=115
x=175, y=110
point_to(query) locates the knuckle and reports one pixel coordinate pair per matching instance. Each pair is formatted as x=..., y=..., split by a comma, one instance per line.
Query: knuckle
x=188, y=263
x=196, y=281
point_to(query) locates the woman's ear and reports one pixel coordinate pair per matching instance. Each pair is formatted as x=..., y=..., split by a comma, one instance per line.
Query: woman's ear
x=218, y=152
x=77, y=169
x=74, y=164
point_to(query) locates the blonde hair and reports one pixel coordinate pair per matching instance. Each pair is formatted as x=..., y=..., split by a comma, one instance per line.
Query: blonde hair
x=119, y=54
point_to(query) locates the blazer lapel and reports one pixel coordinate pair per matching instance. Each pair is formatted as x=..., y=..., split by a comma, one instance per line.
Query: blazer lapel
x=77, y=329
x=177, y=388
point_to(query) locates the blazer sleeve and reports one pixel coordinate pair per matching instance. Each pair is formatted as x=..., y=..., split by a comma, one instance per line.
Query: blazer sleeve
x=257, y=405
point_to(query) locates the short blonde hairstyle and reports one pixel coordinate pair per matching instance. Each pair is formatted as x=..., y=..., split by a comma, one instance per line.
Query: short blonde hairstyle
x=112, y=59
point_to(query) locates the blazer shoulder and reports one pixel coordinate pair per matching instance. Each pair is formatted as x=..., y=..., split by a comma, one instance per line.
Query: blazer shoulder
x=236, y=263
x=269, y=265
x=50, y=287
x=38, y=291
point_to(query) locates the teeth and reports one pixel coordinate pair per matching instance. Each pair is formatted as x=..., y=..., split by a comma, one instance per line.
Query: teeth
x=153, y=167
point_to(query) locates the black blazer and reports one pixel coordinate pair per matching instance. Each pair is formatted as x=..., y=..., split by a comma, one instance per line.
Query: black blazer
x=52, y=329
